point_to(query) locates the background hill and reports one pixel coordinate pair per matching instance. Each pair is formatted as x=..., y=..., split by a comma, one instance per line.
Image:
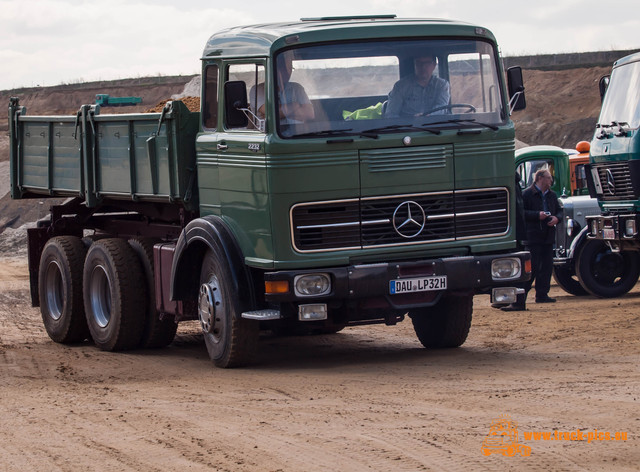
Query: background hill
x=562, y=95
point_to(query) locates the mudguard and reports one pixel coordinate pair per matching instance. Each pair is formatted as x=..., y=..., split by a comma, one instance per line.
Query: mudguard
x=209, y=232
x=577, y=243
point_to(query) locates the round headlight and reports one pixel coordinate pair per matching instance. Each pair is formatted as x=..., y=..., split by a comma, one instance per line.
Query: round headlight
x=507, y=268
x=309, y=285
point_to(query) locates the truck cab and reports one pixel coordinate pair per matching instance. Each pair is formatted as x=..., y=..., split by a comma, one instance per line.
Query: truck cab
x=323, y=178
x=577, y=167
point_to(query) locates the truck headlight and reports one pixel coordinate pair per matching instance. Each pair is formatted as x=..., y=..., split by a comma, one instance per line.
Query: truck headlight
x=594, y=227
x=310, y=285
x=505, y=269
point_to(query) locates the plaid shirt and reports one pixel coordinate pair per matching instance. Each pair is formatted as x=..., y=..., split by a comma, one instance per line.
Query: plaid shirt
x=409, y=98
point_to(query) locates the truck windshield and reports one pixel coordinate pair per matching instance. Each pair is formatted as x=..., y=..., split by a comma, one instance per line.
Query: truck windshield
x=376, y=87
x=622, y=101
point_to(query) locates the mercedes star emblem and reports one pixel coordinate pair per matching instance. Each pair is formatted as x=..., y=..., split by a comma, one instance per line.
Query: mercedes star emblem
x=409, y=219
x=611, y=183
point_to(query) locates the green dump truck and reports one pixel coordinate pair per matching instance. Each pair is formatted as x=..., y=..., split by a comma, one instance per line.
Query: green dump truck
x=298, y=197
x=614, y=172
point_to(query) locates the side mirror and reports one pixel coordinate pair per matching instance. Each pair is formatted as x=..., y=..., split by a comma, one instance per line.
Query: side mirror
x=515, y=86
x=603, y=85
x=235, y=100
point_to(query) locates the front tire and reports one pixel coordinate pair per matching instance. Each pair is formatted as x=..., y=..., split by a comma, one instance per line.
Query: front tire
x=114, y=295
x=446, y=324
x=230, y=339
x=566, y=278
x=604, y=273
x=60, y=289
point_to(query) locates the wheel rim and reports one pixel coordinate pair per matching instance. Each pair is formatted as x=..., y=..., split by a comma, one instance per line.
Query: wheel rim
x=209, y=304
x=608, y=267
x=54, y=290
x=100, y=293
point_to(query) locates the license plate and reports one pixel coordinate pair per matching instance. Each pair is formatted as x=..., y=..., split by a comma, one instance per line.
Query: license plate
x=608, y=233
x=418, y=284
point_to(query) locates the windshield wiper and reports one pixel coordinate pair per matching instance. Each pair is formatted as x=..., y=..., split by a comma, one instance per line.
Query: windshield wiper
x=471, y=121
x=326, y=132
x=373, y=133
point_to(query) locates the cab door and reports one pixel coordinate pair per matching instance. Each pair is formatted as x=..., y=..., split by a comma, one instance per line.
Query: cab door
x=243, y=199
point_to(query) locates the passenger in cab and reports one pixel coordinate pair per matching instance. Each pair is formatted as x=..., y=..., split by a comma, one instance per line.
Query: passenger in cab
x=294, y=104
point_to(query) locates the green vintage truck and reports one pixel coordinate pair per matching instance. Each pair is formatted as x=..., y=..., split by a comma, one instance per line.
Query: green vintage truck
x=301, y=196
x=614, y=172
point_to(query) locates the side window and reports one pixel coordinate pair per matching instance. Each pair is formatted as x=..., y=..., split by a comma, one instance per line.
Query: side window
x=252, y=77
x=210, y=106
x=581, y=180
x=529, y=168
x=474, y=81
x=523, y=177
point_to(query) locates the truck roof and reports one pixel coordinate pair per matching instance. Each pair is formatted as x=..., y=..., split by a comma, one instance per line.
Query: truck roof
x=635, y=57
x=541, y=150
x=262, y=39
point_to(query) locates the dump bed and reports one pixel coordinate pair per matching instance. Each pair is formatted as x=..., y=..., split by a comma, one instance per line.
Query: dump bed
x=140, y=157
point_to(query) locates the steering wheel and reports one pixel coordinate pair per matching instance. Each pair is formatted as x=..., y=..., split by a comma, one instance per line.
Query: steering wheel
x=468, y=106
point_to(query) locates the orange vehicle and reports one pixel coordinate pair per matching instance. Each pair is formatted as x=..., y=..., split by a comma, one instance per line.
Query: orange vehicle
x=577, y=169
x=503, y=439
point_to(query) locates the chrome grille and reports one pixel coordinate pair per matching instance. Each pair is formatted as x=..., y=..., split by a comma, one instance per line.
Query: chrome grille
x=369, y=222
x=481, y=213
x=327, y=225
x=377, y=215
x=616, y=182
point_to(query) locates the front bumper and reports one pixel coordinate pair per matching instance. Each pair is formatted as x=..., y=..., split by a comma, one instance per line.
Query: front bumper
x=369, y=284
x=620, y=230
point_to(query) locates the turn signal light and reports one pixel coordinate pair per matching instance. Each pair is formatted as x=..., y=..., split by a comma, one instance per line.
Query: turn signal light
x=276, y=286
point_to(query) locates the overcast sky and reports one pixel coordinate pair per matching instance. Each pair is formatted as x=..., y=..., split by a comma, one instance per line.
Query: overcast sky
x=51, y=42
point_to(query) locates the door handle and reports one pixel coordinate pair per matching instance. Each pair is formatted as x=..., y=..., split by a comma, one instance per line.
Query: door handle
x=222, y=147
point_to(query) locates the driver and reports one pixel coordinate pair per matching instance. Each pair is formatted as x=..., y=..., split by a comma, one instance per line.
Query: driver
x=420, y=92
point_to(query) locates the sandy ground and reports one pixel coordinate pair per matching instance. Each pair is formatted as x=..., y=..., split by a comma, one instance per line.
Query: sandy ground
x=368, y=398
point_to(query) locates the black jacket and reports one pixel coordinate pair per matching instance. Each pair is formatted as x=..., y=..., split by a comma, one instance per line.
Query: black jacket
x=538, y=232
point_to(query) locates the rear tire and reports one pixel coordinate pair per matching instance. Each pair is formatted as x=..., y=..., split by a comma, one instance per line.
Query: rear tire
x=604, y=273
x=114, y=295
x=230, y=339
x=567, y=280
x=157, y=332
x=446, y=324
x=60, y=289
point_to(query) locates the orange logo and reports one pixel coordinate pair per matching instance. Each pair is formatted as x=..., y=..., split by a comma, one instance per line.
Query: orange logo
x=503, y=439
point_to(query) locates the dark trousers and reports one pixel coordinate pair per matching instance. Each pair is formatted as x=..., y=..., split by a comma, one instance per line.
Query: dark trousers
x=541, y=269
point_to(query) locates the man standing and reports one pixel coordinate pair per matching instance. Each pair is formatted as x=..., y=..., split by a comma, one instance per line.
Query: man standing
x=542, y=213
x=419, y=93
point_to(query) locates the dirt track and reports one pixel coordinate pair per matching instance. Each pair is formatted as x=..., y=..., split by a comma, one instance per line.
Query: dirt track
x=368, y=398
